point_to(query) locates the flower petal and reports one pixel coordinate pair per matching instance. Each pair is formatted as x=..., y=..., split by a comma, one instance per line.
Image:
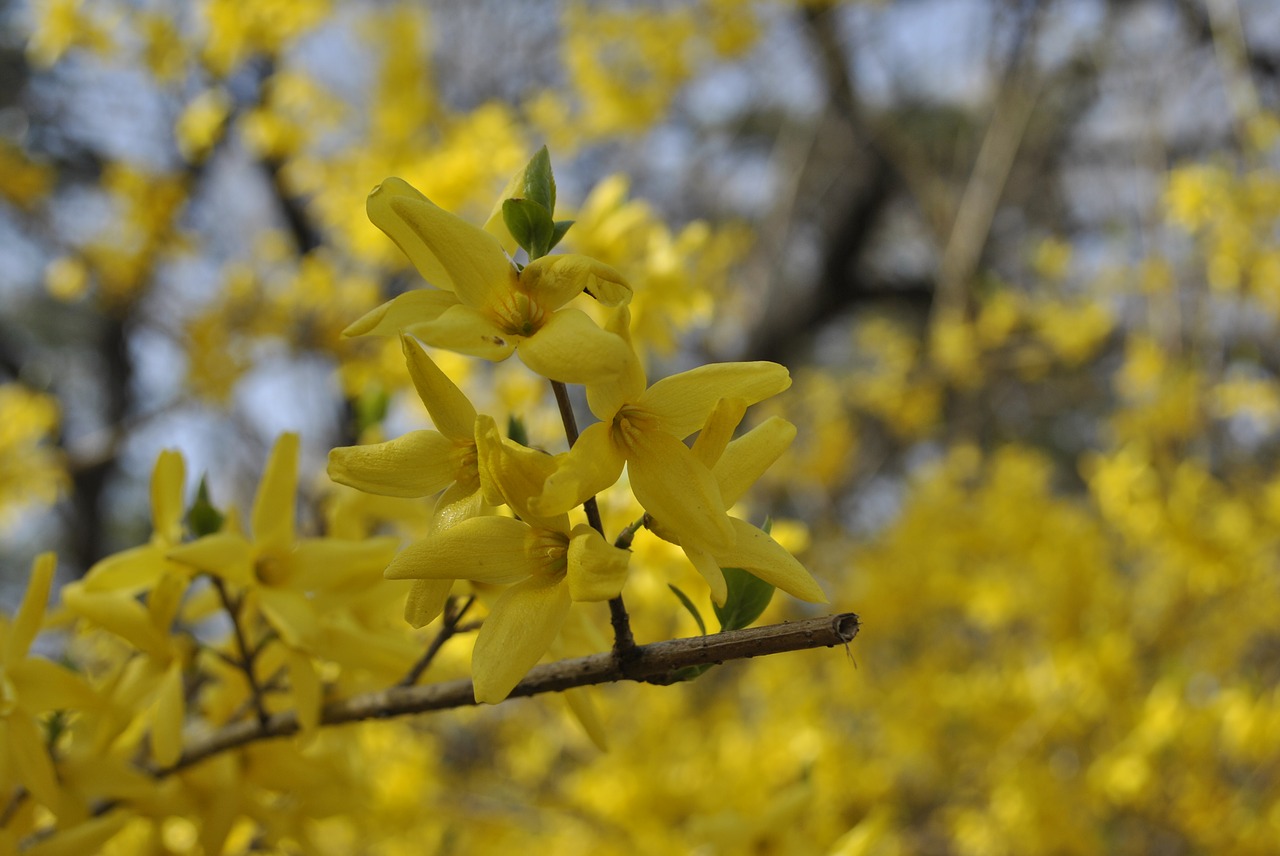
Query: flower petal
x=718, y=430
x=120, y=614
x=307, y=691
x=43, y=685
x=678, y=490
x=755, y=552
x=485, y=549
x=745, y=459
x=592, y=465
x=607, y=397
x=166, y=726
x=467, y=331
x=332, y=564
x=426, y=601
x=273, y=505
x=450, y=410
x=711, y=572
x=167, y=482
x=597, y=569
x=421, y=463
x=520, y=628
x=224, y=554
x=26, y=624
x=437, y=242
x=460, y=501
x=513, y=474
x=34, y=767
x=570, y=348
x=292, y=615
x=583, y=707
x=555, y=280
x=681, y=402
x=402, y=312
x=128, y=571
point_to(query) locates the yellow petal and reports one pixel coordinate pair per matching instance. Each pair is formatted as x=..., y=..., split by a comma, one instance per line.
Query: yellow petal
x=746, y=458
x=555, y=280
x=308, y=693
x=130, y=571
x=421, y=463
x=43, y=685
x=677, y=490
x=86, y=837
x=607, y=397
x=292, y=615
x=166, y=727
x=682, y=402
x=26, y=624
x=164, y=601
x=167, y=482
x=718, y=430
x=426, y=601
x=512, y=473
x=520, y=628
x=335, y=564
x=34, y=767
x=119, y=614
x=754, y=551
x=570, y=348
x=583, y=707
x=592, y=465
x=402, y=312
x=485, y=549
x=273, y=505
x=450, y=410
x=467, y=331
x=437, y=242
x=224, y=554
x=597, y=569
x=711, y=572
x=460, y=501
x=496, y=225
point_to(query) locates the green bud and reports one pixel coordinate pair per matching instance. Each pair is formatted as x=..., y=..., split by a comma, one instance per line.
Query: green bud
x=530, y=224
x=203, y=518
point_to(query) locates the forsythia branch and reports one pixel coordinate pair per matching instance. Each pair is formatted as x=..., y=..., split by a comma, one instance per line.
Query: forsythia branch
x=657, y=663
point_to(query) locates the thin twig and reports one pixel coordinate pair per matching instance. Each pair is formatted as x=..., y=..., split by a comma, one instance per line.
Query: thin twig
x=246, y=657
x=452, y=615
x=624, y=643
x=658, y=663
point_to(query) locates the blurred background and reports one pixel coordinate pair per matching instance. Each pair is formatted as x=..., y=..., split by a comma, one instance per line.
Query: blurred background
x=1021, y=258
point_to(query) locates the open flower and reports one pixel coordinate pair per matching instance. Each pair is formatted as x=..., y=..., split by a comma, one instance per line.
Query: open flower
x=282, y=575
x=735, y=466
x=548, y=564
x=487, y=307
x=645, y=429
x=423, y=463
x=30, y=687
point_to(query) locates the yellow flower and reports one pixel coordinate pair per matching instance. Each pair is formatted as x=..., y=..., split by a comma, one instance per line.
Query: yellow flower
x=645, y=429
x=282, y=574
x=485, y=306
x=422, y=463
x=549, y=563
x=28, y=688
x=735, y=466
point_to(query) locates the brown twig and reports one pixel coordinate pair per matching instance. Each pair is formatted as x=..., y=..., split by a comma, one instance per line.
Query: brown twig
x=624, y=643
x=247, y=657
x=450, y=626
x=658, y=663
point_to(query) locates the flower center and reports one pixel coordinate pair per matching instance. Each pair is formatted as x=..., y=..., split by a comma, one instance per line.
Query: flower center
x=629, y=425
x=270, y=571
x=551, y=551
x=518, y=314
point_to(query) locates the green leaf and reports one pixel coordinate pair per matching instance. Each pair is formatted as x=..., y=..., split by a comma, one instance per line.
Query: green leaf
x=530, y=224
x=560, y=230
x=202, y=517
x=688, y=604
x=748, y=596
x=539, y=182
x=516, y=430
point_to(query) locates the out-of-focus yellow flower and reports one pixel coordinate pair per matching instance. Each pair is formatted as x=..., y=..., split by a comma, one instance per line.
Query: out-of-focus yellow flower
x=30, y=687
x=31, y=471
x=200, y=125
x=487, y=308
